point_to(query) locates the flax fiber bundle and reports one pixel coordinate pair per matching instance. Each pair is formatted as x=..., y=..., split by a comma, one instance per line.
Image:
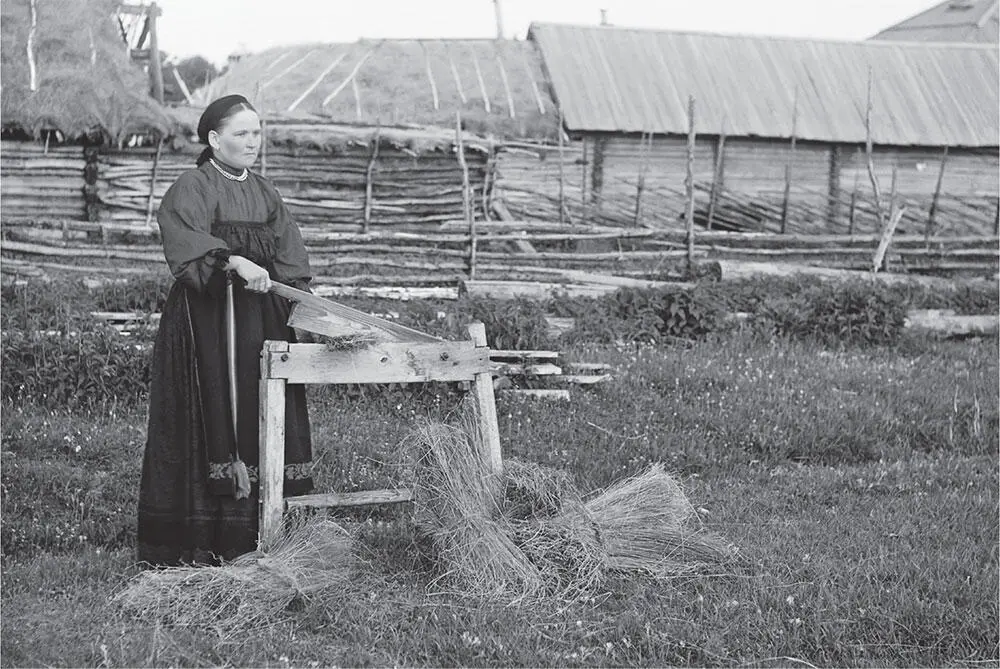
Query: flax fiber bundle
x=647, y=523
x=249, y=593
x=455, y=499
x=529, y=532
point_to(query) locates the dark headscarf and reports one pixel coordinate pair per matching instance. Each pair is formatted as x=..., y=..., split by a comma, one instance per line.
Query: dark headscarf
x=212, y=118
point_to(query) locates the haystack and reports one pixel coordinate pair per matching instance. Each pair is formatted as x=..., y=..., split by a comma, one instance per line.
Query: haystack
x=250, y=593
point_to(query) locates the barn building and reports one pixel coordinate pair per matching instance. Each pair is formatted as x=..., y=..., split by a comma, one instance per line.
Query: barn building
x=777, y=114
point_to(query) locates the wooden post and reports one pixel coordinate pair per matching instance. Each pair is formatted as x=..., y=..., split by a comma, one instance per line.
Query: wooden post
x=878, y=262
x=881, y=262
x=155, y=67
x=645, y=148
x=183, y=85
x=583, y=182
x=499, y=18
x=876, y=191
x=32, y=71
x=562, y=177
x=833, y=190
x=689, y=186
x=788, y=163
x=597, y=174
x=937, y=194
x=466, y=207
x=272, y=446
x=853, y=211
x=482, y=388
x=717, y=172
x=152, y=183
x=369, y=172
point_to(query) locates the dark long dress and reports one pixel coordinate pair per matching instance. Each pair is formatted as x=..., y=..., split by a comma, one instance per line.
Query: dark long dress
x=187, y=511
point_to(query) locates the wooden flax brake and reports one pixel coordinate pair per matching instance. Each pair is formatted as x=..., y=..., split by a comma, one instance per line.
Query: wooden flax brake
x=318, y=315
x=393, y=354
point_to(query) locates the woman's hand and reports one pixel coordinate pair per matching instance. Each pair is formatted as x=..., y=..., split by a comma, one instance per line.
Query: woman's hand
x=256, y=276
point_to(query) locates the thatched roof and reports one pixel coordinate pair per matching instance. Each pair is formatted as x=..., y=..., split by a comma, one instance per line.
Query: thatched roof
x=394, y=84
x=85, y=82
x=315, y=133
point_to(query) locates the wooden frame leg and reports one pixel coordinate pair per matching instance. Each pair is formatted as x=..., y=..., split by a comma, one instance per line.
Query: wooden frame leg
x=482, y=389
x=272, y=447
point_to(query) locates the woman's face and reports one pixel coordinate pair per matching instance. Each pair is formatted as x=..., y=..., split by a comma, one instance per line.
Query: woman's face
x=237, y=142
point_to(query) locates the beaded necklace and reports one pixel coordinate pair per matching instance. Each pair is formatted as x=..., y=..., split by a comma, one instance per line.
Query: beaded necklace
x=231, y=177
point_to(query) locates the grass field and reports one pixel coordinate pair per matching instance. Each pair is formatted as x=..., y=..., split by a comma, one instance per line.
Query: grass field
x=860, y=486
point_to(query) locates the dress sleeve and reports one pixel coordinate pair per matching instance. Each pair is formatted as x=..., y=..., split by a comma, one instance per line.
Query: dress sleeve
x=291, y=262
x=185, y=219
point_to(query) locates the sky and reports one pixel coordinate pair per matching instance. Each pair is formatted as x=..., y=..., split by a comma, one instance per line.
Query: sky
x=216, y=28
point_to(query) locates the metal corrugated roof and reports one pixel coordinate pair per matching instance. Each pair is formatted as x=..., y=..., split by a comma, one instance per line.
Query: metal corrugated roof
x=609, y=79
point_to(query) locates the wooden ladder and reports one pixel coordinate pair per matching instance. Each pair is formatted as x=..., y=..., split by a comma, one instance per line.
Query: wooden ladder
x=282, y=363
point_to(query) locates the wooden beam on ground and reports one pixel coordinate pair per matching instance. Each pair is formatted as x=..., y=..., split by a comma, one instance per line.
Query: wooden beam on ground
x=945, y=323
x=539, y=393
x=348, y=499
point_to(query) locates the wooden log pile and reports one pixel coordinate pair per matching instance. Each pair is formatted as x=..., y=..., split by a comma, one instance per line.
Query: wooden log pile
x=41, y=182
x=594, y=258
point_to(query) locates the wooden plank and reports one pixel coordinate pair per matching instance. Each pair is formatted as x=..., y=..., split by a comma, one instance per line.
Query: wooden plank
x=380, y=363
x=539, y=393
x=272, y=444
x=589, y=366
x=516, y=369
x=482, y=390
x=583, y=379
x=506, y=354
x=348, y=499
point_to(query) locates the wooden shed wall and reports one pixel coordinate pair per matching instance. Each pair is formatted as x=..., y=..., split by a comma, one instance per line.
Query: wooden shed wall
x=319, y=187
x=822, y=180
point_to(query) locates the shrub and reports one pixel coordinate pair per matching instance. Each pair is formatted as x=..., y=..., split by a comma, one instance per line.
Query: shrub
x=89, y=367
x=850, y=313
x=644, y=315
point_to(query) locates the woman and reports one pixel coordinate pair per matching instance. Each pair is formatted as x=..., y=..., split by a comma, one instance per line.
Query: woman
x=198, y=494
